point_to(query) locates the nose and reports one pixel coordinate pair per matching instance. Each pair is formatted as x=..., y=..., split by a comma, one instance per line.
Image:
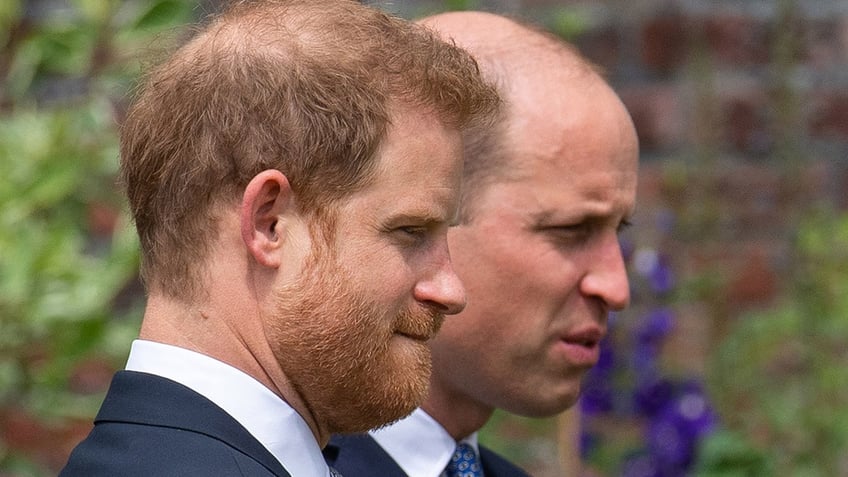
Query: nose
x=606, y=276
x=441, y=290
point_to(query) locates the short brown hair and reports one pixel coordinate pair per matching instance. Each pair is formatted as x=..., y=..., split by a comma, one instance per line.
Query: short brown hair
x=302, y=86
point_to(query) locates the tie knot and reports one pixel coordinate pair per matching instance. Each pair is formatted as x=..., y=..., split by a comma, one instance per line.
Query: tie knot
x=464, y=462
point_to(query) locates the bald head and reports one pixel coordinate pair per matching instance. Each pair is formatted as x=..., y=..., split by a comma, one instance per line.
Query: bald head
x=539, y=77
x=497, y=40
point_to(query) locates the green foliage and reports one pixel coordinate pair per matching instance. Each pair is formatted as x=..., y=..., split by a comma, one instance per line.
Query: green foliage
x=66, y=248
x=567, y=22
x=459, y=5
x=780, y=376
x=727, y=454
x=57, y=280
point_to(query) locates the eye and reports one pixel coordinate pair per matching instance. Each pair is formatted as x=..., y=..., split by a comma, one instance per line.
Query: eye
x=571, y=233
x=412, y=230
x=411, y=234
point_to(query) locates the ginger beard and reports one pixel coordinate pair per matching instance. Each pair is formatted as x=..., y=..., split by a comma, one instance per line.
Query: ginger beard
x=343, y=354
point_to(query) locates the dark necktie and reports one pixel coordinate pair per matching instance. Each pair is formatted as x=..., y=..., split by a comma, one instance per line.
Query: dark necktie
x=464, y=462
x=335, y=473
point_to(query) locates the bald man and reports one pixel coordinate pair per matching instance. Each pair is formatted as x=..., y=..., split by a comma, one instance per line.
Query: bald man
x=546, y=191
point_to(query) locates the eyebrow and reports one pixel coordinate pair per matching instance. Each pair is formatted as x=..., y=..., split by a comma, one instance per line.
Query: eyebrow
x=551, y=216
x=422, y=217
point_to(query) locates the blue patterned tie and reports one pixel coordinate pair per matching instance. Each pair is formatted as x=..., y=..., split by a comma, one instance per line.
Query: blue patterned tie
x=335, y=473
x=464, y=462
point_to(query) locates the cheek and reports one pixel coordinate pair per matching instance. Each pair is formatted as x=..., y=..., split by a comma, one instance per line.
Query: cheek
x=383, y=279
x=518, y=278
x=486, y=263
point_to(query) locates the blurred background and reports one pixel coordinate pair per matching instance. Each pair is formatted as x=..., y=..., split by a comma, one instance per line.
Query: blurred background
x=733, y=358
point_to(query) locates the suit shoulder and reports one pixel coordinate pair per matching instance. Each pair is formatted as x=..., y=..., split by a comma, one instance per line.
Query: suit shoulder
x=140, y=450
x=494, y=465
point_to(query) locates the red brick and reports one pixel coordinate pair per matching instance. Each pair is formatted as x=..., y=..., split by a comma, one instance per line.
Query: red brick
x=656, y=113
x=745, y=125
x=664, y=42
x=830, y=115
x=736, y=39
x=754, y=280
x=822, y=48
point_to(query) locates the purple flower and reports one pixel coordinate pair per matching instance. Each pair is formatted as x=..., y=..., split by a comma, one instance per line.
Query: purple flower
x=674, y=433
x=649, y=337
x=661, y=277
x=655, y=326
x=654, y=266
x=651, y=397
x=628, y=247
x=596, y=396
x=588, y=443
x=694, y=411
x=606, y=359
x=596, y=390
x=666, y=221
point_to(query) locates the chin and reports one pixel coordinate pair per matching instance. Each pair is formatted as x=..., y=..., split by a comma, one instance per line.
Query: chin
x=547, y=409
x=387, y=395
x=542, y=406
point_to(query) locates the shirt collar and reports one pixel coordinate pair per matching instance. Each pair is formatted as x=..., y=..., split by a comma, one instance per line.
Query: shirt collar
x=419, y=444
x=264, y=414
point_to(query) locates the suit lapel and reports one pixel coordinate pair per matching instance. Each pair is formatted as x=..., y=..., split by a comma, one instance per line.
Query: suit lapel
x=359, y=454
x=496, y=466
x=143, y=398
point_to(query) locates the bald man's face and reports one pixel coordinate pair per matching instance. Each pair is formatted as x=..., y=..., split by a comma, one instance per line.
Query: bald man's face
x=540, y=258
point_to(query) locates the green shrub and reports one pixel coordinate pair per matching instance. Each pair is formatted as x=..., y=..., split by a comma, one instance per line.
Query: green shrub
x=68, y=253
x=780, y=377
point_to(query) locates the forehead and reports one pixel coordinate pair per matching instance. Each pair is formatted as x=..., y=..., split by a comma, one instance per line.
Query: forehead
x=572, y=144
x=418, y=168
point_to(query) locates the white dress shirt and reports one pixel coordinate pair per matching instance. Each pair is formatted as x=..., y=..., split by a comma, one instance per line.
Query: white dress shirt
x=419, y=444
x=264, y=414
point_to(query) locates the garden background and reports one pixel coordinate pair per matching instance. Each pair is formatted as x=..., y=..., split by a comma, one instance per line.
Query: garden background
x=732, y=360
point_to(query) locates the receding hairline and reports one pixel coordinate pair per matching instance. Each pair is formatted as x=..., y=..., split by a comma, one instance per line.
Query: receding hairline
x=246, y=30
x=506, y=46
x=512, y=55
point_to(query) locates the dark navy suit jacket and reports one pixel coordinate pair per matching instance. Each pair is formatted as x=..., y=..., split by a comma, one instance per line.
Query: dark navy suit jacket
x=359, y=455
x=152, y=426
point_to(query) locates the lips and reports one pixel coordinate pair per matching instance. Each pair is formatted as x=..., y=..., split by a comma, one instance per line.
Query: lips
x=588, y=337
x=582, y=347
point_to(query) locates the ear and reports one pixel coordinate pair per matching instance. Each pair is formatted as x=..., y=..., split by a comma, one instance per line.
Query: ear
x=265, y=200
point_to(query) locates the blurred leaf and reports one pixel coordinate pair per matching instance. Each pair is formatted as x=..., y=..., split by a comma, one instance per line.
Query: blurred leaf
x=10, y=12
x=23, y=68
x=782, y=371
x=96, y=11
x=457, y=5
x=66, y=51
x=163, y=13
x=726, y=454
x=68, y=76
x=567, y=23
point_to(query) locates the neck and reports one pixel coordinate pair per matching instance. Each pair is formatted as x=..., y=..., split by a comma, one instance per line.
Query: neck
x=459, y=414
x=209, y=330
